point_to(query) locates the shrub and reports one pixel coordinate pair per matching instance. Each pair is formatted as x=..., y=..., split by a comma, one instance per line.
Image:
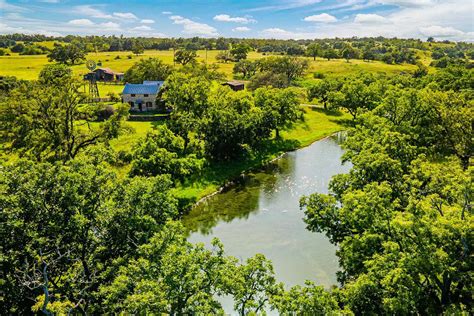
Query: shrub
x=318, y=75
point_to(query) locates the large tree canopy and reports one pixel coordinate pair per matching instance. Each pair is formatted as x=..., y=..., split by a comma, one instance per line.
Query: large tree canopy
x=147, y=69
x=50, y=119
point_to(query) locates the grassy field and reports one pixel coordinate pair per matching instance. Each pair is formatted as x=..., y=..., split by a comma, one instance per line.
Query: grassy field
x=28, y=67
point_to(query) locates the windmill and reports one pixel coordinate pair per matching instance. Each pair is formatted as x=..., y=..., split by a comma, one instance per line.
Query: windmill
x=93, y=90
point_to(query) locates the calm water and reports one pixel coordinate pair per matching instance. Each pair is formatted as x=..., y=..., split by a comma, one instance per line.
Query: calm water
x=261, y=214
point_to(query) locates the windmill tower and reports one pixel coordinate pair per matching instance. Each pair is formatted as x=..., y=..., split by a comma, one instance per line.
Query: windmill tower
x=93, y=89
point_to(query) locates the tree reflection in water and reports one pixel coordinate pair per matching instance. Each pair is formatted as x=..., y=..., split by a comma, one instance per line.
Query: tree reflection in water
x=240, y=199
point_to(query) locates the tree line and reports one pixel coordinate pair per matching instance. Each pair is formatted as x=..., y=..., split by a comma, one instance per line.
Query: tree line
x=387, y=50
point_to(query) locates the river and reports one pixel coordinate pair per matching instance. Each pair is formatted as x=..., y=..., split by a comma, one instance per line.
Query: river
x=261, y=214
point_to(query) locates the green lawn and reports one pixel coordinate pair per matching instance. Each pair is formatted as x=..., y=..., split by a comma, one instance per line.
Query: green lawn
x=340, y=67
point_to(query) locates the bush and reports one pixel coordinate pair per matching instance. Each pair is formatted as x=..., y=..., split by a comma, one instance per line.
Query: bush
x=113, y=97
x=148, y=69
x=318, y=75
x=163, y=152
x=268, y=79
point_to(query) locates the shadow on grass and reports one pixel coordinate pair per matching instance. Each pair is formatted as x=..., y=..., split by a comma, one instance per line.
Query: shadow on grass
x=327, y=112
x=219, y=172
x=155, y=124
x=343, y=122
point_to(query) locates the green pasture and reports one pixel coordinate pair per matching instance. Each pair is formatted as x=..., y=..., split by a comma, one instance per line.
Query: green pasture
x=28, y=67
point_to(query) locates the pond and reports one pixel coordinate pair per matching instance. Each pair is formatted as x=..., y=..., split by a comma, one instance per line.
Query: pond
x=261, y=214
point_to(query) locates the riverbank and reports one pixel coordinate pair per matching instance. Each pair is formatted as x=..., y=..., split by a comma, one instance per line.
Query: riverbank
x=318, y=123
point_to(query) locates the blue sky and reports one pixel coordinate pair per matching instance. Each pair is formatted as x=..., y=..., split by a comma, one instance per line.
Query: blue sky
x=443, y=19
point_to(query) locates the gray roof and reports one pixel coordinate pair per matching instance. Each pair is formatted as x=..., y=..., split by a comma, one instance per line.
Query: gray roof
x=234, y=83
x=160, y=83
x=148, y=87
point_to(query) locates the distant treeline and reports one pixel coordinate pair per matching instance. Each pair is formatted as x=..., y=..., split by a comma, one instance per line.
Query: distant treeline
x=388, y=50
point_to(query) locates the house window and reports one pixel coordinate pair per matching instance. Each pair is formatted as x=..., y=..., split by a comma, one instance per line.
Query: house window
x=131, y=104
x=145, y=95
x=149, y=104
x=133, y=94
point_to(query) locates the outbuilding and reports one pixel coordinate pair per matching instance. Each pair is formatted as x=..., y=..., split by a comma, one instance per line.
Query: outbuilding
x=235, y=85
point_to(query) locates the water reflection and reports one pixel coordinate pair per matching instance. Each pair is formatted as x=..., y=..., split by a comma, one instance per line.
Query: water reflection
x=239, y=200
x=261, y=214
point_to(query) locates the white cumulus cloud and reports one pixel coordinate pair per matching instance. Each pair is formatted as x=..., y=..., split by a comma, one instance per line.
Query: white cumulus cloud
x=110, y=26
x=142, y=28
x=125, y=15
x=241, y=29
x=194, y=28
x=92, y=12
x=147, y=21
x=440, y=31
x=370, y=18
x=237, y=19
x=81, y=22
x=278, y=33
x=321, y=18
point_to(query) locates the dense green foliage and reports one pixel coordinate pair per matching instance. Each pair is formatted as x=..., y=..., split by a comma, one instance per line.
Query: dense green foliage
x=229, y=123
x=185, y=57
x=402, y=218
x=49, y=120
x=67, y=54
x=68, y=227
x=163, y=152
x=147, y=69
x=277, y=72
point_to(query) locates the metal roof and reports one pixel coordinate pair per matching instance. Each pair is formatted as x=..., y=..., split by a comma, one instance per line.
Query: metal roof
x=159, y=83
x=106, y=70
x=234, y=83
x=151, y=87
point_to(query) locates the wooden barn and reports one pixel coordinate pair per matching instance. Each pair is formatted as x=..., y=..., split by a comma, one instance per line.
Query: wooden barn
x=104, y=75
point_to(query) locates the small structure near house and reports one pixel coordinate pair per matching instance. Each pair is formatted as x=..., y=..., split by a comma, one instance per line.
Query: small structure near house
x=235, y=85
x=142, y=97
x=104, y=75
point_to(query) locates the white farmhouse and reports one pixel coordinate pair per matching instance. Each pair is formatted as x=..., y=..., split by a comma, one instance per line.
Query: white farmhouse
x=142, y=97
